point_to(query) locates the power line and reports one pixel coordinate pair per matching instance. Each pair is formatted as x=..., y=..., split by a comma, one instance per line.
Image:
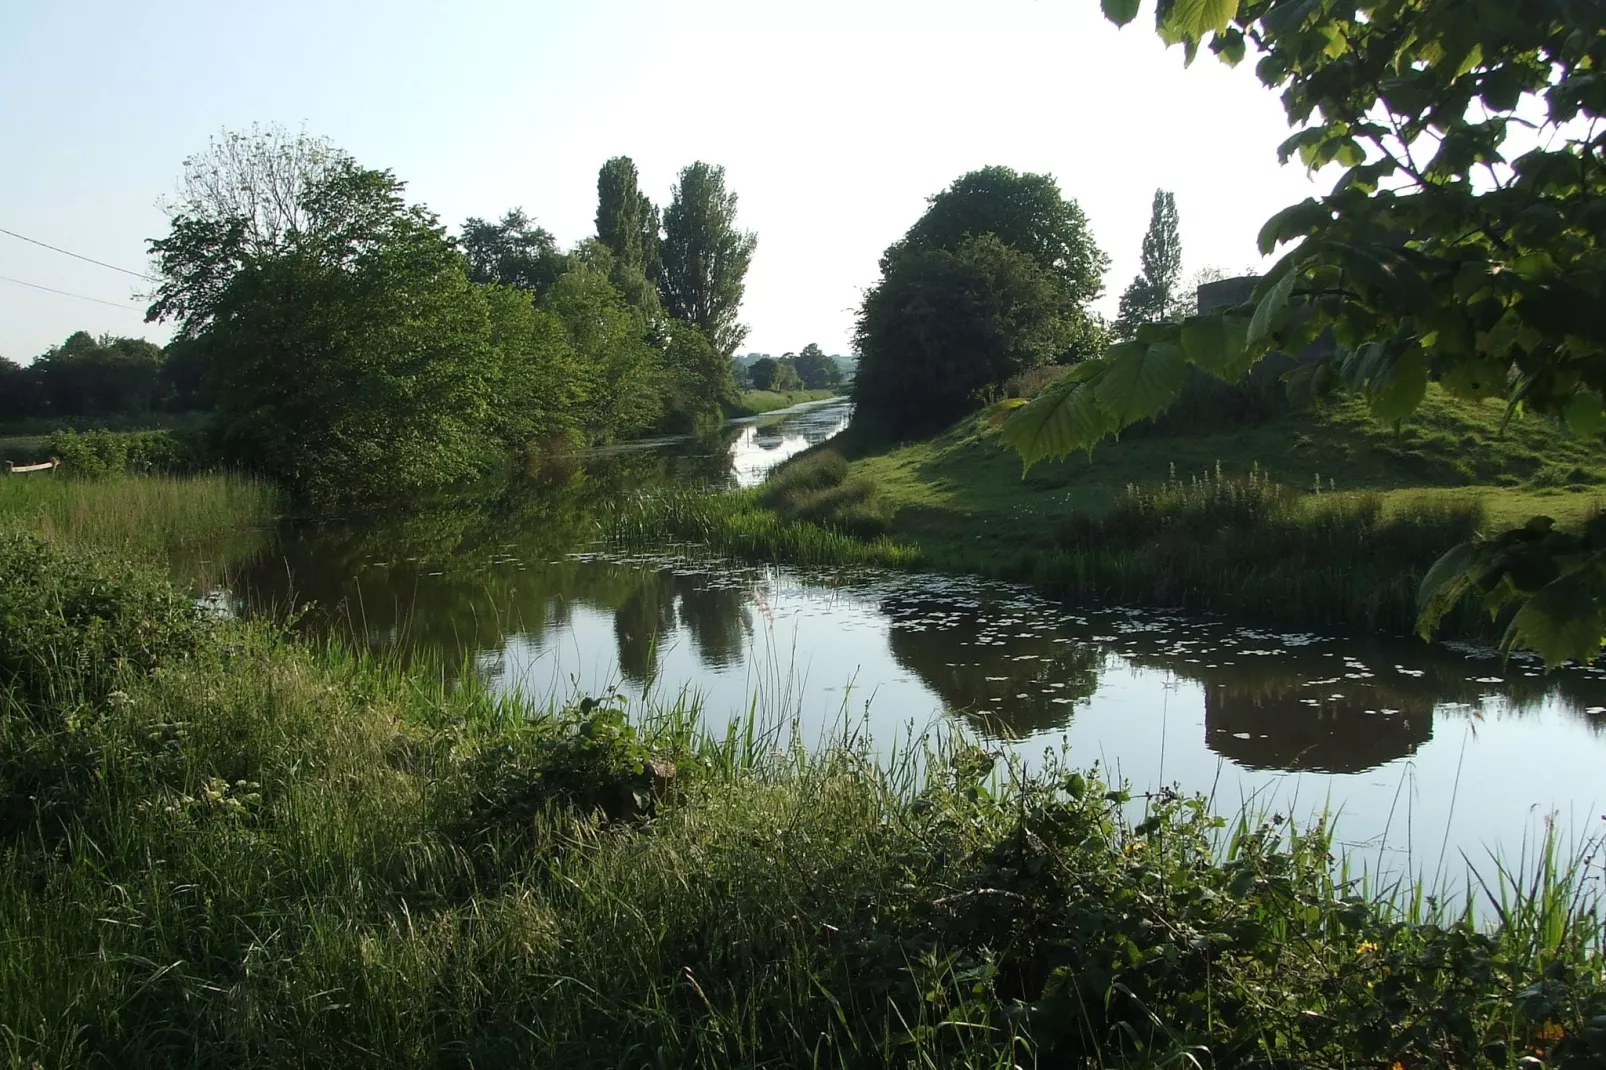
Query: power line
x=64, y=293
x=77, y=256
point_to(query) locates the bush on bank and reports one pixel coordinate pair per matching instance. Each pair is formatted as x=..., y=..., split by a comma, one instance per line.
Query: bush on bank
x=229, y=849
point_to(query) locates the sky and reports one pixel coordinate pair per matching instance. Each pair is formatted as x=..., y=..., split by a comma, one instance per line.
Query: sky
x=835, y=122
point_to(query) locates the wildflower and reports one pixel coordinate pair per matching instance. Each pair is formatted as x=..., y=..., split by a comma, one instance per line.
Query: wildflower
x=1365, y=947
x=1551, y=1031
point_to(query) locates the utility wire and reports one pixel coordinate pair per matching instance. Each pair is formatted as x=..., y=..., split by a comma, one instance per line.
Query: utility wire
x=77, y=256
x=64, y=293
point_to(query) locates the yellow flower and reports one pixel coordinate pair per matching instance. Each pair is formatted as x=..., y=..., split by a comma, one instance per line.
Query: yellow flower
x=1366, y=947
x=1550, y=1031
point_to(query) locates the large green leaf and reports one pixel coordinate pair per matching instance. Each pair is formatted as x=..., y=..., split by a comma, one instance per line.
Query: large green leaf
x=1192, y=19
x=1398, y=389
x=1271, y=304
x=1562, y=622
x=1141, y=381
x=1584, y=414
x=1219, y=345
x=1120, y=12
x=1056, y=423
x=1451, y=576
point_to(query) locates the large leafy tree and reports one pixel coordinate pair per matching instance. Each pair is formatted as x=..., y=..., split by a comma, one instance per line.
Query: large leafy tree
x=705, y=257
x=943, y=326
x=628, y=226
x=818, y=371
x=1027, y=212
x=1155, y=295
x=1464, y=243
x=97, y=376
x=513, y=251
x=622, y=375
x=350, y=356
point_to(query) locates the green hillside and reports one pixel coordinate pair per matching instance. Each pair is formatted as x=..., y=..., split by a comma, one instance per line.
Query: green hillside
x=961, y=485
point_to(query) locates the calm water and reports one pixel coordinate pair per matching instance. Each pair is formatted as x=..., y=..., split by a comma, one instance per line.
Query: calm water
x=1426, y=752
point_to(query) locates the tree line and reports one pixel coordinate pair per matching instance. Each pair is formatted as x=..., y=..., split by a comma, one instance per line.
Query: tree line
x=349, y=347
x=808, y=369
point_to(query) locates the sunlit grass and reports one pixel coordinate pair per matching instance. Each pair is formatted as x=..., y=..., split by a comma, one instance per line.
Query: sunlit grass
x=172, y=519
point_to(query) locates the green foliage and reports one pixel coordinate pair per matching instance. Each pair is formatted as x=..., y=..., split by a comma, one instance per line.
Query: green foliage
x=623, y=376
x=1451, y=248
x=818, y=371
x=1154, y=296
x=349, y=360
x=767, y=373
x=1025, y=212
x=628, y=225
x=94, y=454
x=443, y=876
x=589, y=758
x=700, y=381
x=512, y=252
x=943, y=329
x=72, y=620
x=705, y=258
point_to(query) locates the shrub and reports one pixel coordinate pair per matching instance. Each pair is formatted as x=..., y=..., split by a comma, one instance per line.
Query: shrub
x=71, y=621
x=95, y=454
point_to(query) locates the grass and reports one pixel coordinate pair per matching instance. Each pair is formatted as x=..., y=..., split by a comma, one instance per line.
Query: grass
x=756, y=402
x=181, y=521
x=1349, y=552
x=737, y=524
x=231, y=849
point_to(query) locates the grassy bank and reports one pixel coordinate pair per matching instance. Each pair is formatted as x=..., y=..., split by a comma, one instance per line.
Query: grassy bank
x=223, y=848
x=1228, y=521
x=757, y=402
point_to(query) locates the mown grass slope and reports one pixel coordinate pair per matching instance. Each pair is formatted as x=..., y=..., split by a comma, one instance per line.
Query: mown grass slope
x=961, y=486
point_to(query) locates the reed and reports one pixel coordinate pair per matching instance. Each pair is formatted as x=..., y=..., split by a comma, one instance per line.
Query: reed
x=148, y=516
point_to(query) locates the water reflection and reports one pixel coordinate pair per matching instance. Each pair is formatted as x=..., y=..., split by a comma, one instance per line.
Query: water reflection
x=508, y=583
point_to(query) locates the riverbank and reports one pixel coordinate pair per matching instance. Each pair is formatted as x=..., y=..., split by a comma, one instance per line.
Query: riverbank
x=758, y=402
x=1230, y=521
x=224, y=847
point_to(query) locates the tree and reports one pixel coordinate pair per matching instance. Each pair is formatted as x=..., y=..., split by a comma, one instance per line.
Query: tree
x=942, y=328
x=16, y=391
x=761, y=373
x=1028, y=213
x=86, y=376
x=627, y=225
x=818, y=371
x=513, y=252
x=351, y=357
x=699, y=379
x=622, y=374
x=1464, y=243
x=619, y=212
x=705, y=258
x=1154, y=296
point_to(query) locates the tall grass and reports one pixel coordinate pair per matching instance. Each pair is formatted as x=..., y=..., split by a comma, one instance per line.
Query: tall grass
x=148, y=516
x=737, y=525
x=253, y=852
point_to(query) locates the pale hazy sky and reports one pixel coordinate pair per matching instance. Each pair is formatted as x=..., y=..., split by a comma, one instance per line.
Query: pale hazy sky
x=834, y=121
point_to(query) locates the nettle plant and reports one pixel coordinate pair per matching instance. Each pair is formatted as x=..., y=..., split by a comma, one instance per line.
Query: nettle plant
x=1462, y=244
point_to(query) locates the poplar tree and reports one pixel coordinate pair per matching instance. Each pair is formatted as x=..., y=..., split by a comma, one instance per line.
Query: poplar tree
x=1154, y=295
x=705, y=257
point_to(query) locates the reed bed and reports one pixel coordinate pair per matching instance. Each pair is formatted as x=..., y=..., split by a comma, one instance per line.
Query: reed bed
x=234, y=849
x=146, y=516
